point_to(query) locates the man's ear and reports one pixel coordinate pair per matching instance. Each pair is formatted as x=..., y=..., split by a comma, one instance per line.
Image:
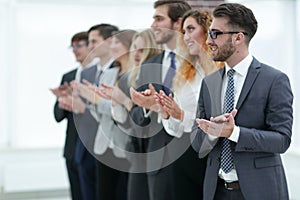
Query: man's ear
x=239, y=38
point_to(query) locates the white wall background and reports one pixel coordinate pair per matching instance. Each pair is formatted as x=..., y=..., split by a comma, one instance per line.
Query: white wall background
x=35, y=34
x=275, y=43
x=34, y=37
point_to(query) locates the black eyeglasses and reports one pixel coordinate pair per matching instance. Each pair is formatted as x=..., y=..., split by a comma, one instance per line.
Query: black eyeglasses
x=78, y=46
x=214, y=34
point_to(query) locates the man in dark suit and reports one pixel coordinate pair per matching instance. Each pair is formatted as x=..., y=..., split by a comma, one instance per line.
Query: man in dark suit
x=79, y=45
x=167, y=19
x=87, y=126
x=245, y=142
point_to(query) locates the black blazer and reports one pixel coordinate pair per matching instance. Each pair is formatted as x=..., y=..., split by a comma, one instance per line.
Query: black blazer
x=85, y=123
x=151, y=72
x=60, y=114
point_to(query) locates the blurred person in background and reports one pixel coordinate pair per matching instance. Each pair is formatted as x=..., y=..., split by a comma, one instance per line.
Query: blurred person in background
x=110, y=141
x=87, y=125
x=143, y=47
x=79, y=46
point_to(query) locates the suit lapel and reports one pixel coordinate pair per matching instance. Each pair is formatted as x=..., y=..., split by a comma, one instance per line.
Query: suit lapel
x=72, y=75
x=89, y=74
x=214, y=86
x=159, y=71
x=250, y=78
x=217, y=89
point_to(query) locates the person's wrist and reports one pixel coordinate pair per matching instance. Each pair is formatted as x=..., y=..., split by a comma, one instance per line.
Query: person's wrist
x=181, y=115
x=129, y=105
x=165, y=116
x=96, y=99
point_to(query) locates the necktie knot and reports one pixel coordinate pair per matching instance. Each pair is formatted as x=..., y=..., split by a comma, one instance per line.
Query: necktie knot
x=230, y=72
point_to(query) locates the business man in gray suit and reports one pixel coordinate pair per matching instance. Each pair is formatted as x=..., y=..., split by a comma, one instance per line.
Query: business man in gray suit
x=79, y=43
x=86, y=124
x=244, y=143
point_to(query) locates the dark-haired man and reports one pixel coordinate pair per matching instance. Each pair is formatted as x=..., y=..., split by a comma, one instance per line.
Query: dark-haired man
x=79, y=45
x=245, y=142
x=99, y=37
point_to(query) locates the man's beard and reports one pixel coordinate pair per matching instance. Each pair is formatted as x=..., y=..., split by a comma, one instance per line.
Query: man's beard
x=224, y=52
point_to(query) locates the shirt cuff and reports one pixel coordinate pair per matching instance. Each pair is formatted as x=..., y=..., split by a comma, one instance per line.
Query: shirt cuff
x=211, y=138
x=146, y=114
x=235, y=134
x=173, y=127
x=119, y=113
x=188, y=120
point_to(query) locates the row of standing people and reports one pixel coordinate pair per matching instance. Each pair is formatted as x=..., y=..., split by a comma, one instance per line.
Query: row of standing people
x=136, y=120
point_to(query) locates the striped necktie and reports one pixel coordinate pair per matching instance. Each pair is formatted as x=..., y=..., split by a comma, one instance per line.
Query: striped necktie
x=226, y=154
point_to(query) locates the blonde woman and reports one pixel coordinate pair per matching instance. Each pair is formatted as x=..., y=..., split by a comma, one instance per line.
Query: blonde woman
x=110, y=141
x=143, y=47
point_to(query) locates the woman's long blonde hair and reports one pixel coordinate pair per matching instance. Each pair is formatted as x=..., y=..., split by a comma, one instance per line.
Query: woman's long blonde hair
x=151, y=49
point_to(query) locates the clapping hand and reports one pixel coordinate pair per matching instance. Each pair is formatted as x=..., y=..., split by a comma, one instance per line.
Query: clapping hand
x=71, y=103
x=87, y=91
x=145, y=98
x=169, y=105
x=62, y=90
x=116, y=95
x=220, y=126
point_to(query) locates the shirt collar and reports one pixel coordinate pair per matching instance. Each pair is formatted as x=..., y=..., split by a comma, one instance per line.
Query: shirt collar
x=167, y=51
x=242, y=67
x=105, y=66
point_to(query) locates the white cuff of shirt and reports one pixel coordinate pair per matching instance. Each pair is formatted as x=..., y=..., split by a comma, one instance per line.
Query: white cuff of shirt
x=119, y=113
x=173, y=127
x=212, y=138
x=235, y=134
x=146, y=114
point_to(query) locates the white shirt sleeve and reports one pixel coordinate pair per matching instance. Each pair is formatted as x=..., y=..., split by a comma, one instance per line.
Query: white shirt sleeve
x=119, y=113
x=176, y=127
x=235, y=134
x=147, y=114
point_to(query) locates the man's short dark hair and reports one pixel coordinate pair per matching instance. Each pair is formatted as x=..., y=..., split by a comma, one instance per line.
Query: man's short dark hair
x=104, y=30
x=176, y=8
x=240, y=18
x=80, y=36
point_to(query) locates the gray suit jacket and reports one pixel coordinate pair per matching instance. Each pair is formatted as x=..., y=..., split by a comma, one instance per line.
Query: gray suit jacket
x=85, y=123
x=108, y=130
x=265, y=118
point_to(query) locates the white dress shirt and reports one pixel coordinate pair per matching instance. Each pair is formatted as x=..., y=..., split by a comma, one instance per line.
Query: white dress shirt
x=239, y=77
x=187, y=98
